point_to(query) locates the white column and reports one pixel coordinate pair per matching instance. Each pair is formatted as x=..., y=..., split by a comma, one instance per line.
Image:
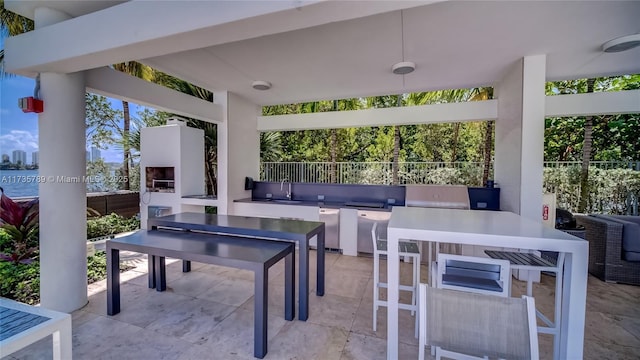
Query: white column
x=61, y=128
x=238, y=148
x=520, y=137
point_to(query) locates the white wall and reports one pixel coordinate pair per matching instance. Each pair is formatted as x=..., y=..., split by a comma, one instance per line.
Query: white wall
x=182, y=148
x=508, y=136
x=532, y=156
x=63, y=234
x=520, y=137
x=238, y=148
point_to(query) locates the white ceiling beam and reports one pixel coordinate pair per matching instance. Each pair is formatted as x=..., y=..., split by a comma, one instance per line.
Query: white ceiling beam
x=408, y=115
x=142, y=29
x=620, y=102
x=115, y=84
x=601, y=103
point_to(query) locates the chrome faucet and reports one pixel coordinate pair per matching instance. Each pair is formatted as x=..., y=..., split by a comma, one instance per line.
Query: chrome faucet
x=282, y=186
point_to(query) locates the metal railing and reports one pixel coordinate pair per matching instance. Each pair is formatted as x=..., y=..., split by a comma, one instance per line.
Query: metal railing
x=611, y=191
x=468, y=173
x=373, y=172
x=606, y=165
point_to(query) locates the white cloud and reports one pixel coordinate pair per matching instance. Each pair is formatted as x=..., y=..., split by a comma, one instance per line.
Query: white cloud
x=19, y=140
x=4, y=111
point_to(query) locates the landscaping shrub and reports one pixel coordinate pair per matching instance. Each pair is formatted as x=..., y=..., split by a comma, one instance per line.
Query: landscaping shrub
x=608, y=189
x=21, y=282
x=97, y=267
x=109, y=225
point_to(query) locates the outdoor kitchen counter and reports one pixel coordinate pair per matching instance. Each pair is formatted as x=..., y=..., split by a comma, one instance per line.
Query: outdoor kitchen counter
x=330, y=205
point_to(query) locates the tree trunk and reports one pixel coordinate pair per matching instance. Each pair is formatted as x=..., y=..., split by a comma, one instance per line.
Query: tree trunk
x=456, y=131
x=488, y=142
x=334, y=151
x=396, y=148
x=586, y=157
x=126, y=146
x=334, y=157
x=396, y=154
x=211, y=181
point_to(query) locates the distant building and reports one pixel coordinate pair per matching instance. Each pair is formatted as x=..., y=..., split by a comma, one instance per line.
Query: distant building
x=19, y=157
x=35, y=159
x=88, y=156
x=5, y=158
x=95, y=154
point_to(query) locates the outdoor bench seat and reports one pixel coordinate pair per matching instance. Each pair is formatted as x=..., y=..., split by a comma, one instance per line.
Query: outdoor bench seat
x=238, y=252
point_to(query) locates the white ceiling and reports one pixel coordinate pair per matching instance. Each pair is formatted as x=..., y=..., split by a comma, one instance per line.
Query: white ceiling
x=455, y=44
x=74, y=8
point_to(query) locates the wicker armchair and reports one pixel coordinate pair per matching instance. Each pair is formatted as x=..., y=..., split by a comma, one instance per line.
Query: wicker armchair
x=605, y=251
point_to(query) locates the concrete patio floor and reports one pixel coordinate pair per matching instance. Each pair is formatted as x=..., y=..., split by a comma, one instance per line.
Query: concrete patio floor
x=208, y=314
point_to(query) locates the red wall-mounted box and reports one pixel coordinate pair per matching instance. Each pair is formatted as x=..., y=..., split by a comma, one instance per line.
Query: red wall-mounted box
x=31, y=104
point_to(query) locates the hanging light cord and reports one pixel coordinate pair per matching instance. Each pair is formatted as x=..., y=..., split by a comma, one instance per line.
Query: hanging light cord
x=402, y=31
x=402, y=37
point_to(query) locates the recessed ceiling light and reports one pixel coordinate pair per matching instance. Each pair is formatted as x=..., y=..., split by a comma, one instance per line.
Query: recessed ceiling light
x=403, y=67
x=622, y=43
x=261, y=85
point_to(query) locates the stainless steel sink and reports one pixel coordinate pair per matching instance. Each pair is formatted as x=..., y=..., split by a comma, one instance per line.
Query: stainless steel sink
x=292, y=202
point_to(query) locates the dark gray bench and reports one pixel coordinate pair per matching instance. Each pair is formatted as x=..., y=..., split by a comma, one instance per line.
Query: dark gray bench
x=242, y=253
x=297, y=231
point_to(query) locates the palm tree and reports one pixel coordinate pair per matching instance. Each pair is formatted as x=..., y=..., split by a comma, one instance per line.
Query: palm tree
x=210, y=129
x=12, y=24
x=144, y=72
x=270, y=147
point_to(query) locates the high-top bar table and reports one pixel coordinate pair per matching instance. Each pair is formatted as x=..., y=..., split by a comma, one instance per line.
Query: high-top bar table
x=492, y=228
x=266, y=228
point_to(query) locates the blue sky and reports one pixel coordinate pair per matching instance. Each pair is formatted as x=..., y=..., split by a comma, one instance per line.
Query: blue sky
x=19, y=131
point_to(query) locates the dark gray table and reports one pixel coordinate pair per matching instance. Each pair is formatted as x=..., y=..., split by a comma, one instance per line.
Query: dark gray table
x=243, y=253
x=271, y=229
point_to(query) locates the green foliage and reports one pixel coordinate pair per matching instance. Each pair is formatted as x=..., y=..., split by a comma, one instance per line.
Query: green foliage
x=109, y=225
x=5, y=239
x=615, y=138
x=20, y=222
x=211, y=209
x=420, y=173
x=100, y=177
x=102, y=121
x=97, y=267
x=20, y=282
x=609, y=188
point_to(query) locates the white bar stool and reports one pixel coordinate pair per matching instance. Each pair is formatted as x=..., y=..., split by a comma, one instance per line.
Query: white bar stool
x=530, y=263
x=406, y=249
